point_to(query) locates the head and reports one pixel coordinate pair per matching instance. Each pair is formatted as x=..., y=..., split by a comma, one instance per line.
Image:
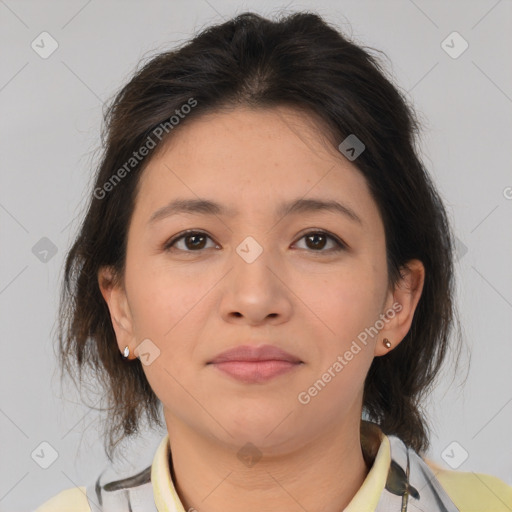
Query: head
x=251, y=115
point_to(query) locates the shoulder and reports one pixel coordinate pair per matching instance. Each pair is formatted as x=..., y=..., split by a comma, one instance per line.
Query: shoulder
x=474, y=492
x=71, y=500
x=117, y=486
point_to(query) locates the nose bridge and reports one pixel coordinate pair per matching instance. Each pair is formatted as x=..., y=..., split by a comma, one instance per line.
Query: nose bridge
x=254, y=289
x=252, y=259
x=250, y=249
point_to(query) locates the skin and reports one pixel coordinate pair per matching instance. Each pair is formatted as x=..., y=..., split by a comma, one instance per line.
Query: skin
x=304, y=298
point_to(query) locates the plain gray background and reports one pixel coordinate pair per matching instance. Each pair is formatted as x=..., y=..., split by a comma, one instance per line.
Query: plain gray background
x=51, y=121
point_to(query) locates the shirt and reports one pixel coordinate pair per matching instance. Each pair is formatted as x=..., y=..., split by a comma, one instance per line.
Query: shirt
x=399, y=480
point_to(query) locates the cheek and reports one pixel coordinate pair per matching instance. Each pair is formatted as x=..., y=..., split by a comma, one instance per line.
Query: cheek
x=170, y=308
x=349, y=301
x=161, y=298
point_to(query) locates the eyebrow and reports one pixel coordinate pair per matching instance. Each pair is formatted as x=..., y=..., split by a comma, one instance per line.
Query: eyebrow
x=208, y=207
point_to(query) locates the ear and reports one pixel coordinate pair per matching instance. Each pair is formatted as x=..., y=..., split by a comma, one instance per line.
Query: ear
x=114, y=294
x=402, y=301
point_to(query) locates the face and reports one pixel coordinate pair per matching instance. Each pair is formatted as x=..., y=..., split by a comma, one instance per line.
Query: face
x=309, y=281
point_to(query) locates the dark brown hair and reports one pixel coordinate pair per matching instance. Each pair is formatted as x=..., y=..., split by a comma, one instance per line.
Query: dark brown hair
x=299, y=61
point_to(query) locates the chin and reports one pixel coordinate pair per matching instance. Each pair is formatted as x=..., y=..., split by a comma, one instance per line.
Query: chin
x=264, y=427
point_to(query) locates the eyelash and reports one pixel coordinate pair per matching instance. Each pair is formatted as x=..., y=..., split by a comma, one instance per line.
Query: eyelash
x=340, y=246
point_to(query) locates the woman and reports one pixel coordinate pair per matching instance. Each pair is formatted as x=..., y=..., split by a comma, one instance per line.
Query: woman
x=270, y=258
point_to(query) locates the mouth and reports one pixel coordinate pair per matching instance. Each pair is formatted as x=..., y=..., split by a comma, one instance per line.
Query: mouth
x=251, y=364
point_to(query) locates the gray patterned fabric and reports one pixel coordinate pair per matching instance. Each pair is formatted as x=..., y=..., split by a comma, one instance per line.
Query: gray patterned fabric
x=411, y=486
x=133, y=494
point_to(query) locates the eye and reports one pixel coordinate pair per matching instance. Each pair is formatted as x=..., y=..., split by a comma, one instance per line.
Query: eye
x=317, y=240
x=194, y=241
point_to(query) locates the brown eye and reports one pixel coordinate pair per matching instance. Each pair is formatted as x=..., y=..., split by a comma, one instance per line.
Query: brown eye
x=196, y=241
x=317, y=240
x=193, y=241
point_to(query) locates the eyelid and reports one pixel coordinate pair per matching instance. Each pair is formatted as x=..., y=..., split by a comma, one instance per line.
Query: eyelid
x=182, y=234
x=340, y=244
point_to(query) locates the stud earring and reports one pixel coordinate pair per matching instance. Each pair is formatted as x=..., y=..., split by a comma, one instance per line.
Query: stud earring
x=126, y=352
x=387, y=343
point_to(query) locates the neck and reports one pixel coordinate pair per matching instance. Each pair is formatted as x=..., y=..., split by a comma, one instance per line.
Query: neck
x=322, y=475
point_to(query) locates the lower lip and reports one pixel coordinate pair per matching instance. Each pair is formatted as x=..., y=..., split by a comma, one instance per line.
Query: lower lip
x=255, y=371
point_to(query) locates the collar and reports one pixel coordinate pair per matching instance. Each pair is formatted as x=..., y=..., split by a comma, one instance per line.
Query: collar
x=376, y=451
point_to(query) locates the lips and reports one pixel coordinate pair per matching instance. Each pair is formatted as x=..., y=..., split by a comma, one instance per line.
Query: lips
x=247, y=353
x=252, y=365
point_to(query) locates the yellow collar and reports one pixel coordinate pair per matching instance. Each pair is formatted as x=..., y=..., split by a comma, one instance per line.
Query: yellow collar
x=374, y=443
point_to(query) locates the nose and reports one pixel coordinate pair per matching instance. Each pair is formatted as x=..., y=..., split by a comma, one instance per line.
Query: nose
x=255, y=291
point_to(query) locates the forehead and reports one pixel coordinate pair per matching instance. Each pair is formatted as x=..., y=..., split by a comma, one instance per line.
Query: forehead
x=251, y=161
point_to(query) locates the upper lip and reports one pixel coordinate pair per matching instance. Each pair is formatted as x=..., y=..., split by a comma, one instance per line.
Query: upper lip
x=255, y=353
